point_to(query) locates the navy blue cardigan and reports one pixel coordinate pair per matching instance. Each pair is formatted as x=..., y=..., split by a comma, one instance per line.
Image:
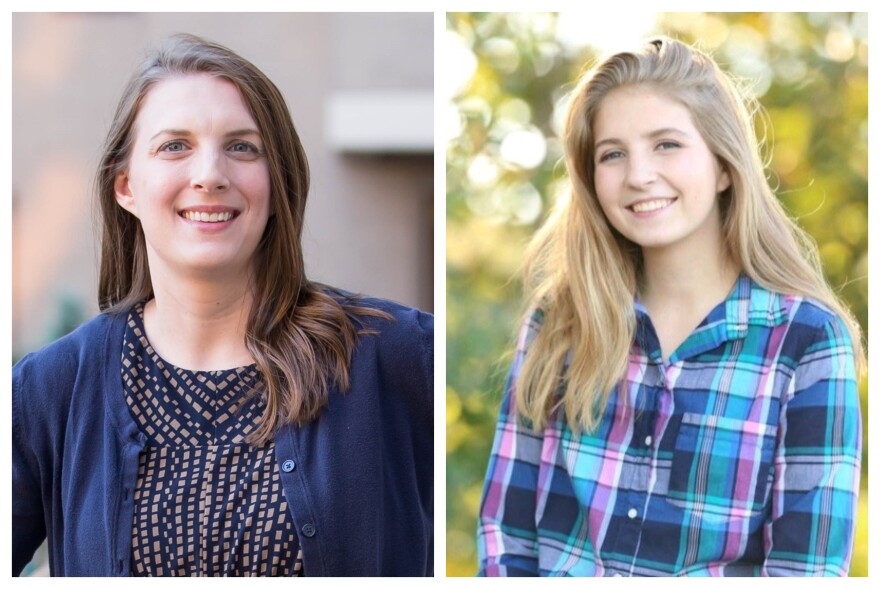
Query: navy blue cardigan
x=359, y=480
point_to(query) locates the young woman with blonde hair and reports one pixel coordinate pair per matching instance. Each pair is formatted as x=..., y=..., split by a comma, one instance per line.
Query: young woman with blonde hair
x=683, y=398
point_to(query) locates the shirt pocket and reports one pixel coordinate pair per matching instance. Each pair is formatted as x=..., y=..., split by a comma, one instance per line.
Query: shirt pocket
x=721, y=467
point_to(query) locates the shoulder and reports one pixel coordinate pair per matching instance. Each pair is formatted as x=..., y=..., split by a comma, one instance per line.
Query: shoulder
x=47, y=375
x=406, y=339
x=401, y=326
x=818, y=346
x=71, y=349
x=396, y=347
x=811, y=323
x=529, y=327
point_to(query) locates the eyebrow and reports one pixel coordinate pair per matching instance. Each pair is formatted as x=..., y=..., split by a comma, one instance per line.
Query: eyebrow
x=651, y=135
x=185, y=133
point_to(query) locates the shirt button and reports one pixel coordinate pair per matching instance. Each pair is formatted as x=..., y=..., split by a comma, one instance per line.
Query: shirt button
x=648, y=440
x=308, y=530
x=632, y=513
x=288, y=466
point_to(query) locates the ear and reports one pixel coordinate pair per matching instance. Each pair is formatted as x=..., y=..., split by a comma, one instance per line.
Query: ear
x=723, y=182
x=124, y=196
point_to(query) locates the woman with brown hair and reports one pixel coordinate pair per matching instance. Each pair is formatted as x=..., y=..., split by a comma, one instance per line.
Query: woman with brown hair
x=224, y=415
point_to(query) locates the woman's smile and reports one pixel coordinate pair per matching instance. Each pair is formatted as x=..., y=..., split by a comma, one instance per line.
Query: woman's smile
x=646, y=207
x=207, y=217
x=218, y=217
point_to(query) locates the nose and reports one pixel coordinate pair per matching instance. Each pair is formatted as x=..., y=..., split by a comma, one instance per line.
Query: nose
x=208, y=173
x=641, y=170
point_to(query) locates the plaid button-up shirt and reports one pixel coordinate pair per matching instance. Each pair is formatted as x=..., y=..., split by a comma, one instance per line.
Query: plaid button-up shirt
x=739, y=455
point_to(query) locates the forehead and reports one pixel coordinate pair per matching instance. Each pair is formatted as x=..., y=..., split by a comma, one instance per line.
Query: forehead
x=631, y=112
x=193, y=100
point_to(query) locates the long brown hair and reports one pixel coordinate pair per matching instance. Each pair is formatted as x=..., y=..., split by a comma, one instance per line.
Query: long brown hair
x=301, y=337
x=582, y=274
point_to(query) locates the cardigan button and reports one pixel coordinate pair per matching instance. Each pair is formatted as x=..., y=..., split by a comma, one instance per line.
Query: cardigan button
x=308, y=530
x=288, y=466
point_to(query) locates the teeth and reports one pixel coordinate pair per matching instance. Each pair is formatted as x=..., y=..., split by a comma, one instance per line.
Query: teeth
x=652, y=205
x=207, y=217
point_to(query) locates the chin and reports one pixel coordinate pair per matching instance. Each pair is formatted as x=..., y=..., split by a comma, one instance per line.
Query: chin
x=649, y=241
x=212, y=265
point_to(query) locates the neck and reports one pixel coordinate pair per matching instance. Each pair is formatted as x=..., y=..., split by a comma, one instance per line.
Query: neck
x=697, y=281
x=200, y=323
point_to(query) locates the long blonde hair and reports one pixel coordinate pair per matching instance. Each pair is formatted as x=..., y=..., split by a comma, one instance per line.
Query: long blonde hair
x=582, y=275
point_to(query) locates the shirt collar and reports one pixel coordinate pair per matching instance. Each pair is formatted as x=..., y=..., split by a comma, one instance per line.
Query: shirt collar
x=751, y=304
x=748, y=304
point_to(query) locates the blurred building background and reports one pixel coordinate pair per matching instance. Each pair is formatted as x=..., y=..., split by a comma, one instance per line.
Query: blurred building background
x=504, y=81
x=360, y=90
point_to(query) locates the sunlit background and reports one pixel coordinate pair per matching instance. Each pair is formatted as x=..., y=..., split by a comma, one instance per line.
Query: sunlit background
x=505, y=79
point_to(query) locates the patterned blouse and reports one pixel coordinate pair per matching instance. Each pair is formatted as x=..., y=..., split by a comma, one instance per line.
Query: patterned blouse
x=207, y=503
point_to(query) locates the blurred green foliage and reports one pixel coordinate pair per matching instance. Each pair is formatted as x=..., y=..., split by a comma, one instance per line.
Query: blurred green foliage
x=506, y=78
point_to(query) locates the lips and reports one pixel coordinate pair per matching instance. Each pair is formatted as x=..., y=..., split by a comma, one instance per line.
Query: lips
x=651, y=205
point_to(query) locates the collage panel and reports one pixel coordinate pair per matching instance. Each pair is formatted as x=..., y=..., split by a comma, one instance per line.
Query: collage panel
x=223, y=294
x=657, y=293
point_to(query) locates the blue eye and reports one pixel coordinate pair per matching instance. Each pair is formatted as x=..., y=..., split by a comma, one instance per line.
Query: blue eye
x=244, y=150
x=664, y=145
x=244, y=147
x=611, y=155
x=173, y=146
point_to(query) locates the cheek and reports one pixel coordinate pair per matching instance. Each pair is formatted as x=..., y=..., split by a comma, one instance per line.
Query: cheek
x=157, y=182
x=255, y=182
x=260, y=199
x=605, y=182
x=686, y=170
x=266, y=197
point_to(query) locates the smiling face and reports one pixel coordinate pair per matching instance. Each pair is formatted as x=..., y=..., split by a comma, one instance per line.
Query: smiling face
x=656, y=180
x=197, y=178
